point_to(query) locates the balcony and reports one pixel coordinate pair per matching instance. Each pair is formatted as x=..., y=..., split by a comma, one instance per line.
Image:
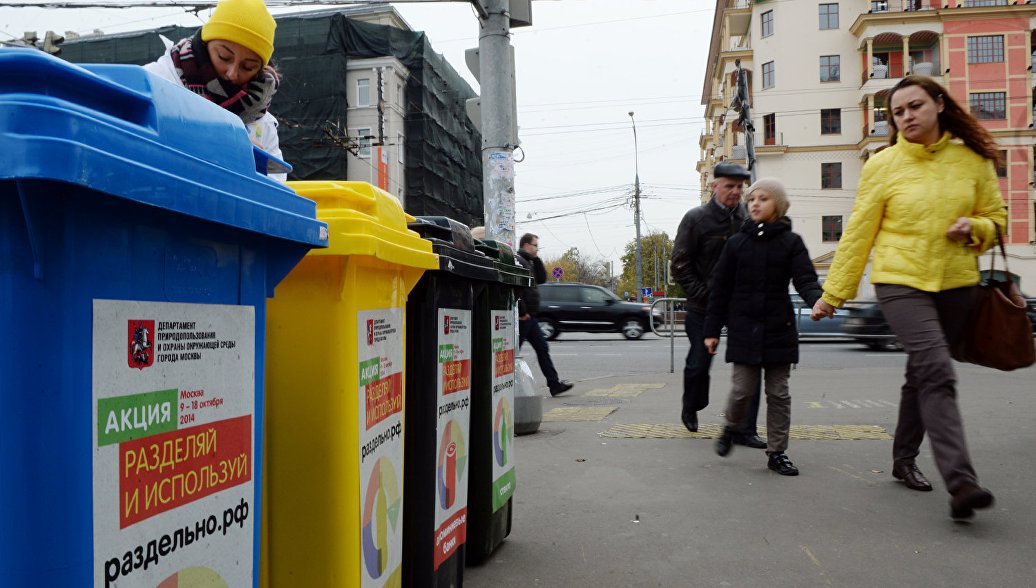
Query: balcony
x=880, y=6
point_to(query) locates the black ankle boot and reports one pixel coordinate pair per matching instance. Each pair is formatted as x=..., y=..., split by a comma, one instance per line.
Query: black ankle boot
x=725, y=443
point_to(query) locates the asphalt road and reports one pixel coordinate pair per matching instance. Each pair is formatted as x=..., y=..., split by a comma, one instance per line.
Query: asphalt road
x=629, y=498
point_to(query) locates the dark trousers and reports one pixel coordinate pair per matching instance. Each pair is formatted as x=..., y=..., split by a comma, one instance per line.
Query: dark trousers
x=529, y=330
x=696, y=374
x=927, y=324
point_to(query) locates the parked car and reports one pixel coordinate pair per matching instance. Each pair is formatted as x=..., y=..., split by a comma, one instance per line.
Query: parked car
x=866, y=324
x=823, y=329
x=588, y=308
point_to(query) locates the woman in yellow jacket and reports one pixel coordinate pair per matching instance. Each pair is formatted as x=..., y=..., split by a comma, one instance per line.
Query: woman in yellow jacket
x=928, y=205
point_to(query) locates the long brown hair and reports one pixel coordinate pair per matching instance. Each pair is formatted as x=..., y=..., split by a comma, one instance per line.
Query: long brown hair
x=959, y=122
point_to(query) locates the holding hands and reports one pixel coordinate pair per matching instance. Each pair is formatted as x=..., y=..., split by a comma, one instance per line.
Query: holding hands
x=822, y=309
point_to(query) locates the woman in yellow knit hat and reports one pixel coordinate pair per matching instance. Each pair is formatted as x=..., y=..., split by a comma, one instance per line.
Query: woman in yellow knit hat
x=227, y=62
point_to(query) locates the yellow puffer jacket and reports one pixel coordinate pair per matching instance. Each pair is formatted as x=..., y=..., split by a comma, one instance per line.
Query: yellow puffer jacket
x=908, y=197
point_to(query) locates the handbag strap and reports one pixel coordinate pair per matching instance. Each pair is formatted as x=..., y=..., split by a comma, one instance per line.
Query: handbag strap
x=1003, y=253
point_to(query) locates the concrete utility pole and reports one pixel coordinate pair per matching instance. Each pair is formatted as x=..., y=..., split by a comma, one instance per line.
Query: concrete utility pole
x=496, y=72
x=636, y=200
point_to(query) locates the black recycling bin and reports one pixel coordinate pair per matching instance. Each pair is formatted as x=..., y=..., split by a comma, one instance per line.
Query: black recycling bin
x=440, y=355
x=492, y=480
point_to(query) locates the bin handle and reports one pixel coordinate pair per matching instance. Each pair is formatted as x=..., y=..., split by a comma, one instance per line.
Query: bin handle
x=28, y=71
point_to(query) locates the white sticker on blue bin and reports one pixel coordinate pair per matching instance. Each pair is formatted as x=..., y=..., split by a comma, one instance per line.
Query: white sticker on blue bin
x=173, y=443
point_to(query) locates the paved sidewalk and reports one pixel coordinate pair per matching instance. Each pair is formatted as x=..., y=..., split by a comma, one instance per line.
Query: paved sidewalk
x=630, y=498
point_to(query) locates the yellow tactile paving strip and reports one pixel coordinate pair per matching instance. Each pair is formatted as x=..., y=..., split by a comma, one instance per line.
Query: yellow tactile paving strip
x=623, y=390
x=712, y=431
x=577, y=413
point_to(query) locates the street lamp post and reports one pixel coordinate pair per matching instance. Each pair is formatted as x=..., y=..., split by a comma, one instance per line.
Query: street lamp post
x=636, y=198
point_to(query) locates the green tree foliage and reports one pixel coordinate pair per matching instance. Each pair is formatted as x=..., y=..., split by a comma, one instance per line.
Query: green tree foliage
x=578, y=268
x=655, y=250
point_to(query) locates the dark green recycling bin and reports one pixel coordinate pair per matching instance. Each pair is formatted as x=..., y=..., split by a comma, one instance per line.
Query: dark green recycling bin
x=492, y=479
x=440, y=358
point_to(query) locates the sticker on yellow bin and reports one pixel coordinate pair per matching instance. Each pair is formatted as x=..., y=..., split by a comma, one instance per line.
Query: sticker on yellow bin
x=381, y=441
x=173, y=390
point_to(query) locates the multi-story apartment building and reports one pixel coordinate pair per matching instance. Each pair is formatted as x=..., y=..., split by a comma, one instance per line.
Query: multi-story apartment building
x=819, y=75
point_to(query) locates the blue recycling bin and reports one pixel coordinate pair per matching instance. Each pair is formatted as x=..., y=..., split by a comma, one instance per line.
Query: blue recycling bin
x=138, y=245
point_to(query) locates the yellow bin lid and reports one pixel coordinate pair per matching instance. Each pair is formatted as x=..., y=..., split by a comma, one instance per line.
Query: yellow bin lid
x=365, y=220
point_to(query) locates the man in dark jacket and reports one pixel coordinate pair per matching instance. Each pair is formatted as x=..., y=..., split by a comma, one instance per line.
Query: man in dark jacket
x=528, y=306
x=699, y=241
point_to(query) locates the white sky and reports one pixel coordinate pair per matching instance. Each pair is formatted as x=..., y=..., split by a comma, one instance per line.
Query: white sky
x=581, y=67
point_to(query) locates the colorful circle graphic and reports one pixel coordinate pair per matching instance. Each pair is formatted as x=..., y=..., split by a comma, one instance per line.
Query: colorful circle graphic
x=381, y=507
x=452, y=459
x=502, y=431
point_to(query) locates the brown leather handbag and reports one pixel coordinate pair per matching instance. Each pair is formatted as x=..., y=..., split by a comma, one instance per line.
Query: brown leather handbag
x=999, y=334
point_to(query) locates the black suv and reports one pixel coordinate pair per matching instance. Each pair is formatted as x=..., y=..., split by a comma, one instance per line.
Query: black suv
x=587, y=308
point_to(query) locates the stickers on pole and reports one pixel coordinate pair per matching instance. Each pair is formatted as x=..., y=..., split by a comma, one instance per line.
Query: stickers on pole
x=503, y=336
x=380, y=356
x=453, y=428
x=173, y=443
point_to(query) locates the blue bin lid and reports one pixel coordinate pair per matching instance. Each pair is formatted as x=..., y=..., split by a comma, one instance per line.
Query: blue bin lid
x=121, y=130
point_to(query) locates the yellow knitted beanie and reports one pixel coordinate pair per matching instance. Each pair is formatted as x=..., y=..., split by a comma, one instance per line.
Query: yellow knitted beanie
x=245, y=22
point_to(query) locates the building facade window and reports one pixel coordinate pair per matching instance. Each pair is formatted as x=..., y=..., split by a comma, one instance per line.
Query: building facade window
x=363, y=141
x=363, y=92
x=1001, y=167
x=768, y=75
x=828, y=16
x=989, y=105
x=831, y=175
x=973, y=3
x=831, y=228
x=879, y=5
x=767, y=22
x=830, y=121
x=829, y=68
x=400, y=147
x=986, y=49
x=769, y=129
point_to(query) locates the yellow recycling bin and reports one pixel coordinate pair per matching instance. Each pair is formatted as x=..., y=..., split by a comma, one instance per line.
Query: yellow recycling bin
x=334, y=396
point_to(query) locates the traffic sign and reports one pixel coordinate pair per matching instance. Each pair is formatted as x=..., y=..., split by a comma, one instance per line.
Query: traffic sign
x=646, y=291
x=558, y=272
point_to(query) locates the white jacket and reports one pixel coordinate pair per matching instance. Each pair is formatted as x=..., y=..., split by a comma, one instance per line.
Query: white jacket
x=262, y=132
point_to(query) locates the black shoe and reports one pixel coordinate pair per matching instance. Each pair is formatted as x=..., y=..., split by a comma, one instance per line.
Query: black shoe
x=780, y=463
x=967, y=498
x=725, y=443
x=753, y=441
x=690, y=420
x=560, y=387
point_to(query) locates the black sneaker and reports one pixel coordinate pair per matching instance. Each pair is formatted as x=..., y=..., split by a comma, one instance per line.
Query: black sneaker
x=780, y=463
x=725, y=443
x=560, y=387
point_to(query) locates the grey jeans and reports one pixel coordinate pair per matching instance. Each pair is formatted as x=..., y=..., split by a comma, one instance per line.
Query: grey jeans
x=927, y=323
x=744, y=383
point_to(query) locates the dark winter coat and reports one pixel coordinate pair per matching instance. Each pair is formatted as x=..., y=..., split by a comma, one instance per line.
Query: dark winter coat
x=529, y=299
x=699, y=240
x=749, y=293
